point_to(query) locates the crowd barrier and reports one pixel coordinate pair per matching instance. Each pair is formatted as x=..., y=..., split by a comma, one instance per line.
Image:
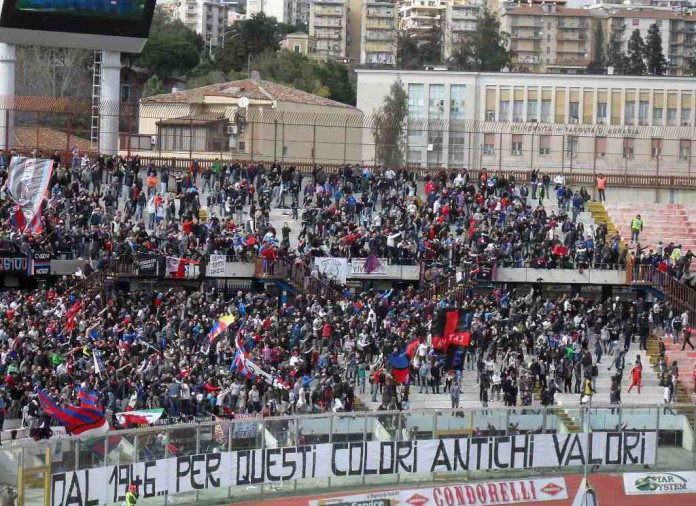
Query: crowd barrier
x=254, y=458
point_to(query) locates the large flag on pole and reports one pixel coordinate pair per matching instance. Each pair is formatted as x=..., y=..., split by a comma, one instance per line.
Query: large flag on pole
x=27, y=182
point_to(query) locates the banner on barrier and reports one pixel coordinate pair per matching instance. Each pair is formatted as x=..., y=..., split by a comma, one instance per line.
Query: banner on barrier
x=333, y=268
x=657, y=483
x=470, y=494
x=90, y=487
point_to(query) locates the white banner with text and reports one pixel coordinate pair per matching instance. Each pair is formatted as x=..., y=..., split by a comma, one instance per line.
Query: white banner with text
x=105, y=485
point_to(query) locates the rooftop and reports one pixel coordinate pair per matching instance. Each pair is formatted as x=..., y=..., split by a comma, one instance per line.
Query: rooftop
x=250, y=88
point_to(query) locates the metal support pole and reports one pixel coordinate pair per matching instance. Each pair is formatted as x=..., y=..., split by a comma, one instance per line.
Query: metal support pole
x=7, y=92
x=275, y=139
x=563, y=140
x=282, y=140
x=314, y=145
x=500, y=152
x=68, y=135
x=345, y=141
x=190, y=137
x=251, y=146
x=109, y=101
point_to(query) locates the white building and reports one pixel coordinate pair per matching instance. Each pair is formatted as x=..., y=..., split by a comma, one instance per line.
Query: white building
x=285, y=11
x=611, y=124
x=208, y=18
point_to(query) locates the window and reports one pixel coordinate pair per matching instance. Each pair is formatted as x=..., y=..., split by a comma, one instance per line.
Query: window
x=636, y=22
x=630, y=111
x=125, y=93
x=504, y=110
x=545, y=111
x=643, y=112
x=574, y=111
x=532, y=114
x=436, y=101
x=457, y=108
x=685, y=149
x=601, y=110
x=657, y=113
x=297, y=48
x=672, y=115
x=415, y=101
x=518, y=110
x=516, y=145
x=686, y=115
x=655, y=147
x=456, y=145
x=600, y=147
x=488, y=144
x=548, y=37
x=544, y=144
x=490, y=115
x=572, y=146
x=628, y=147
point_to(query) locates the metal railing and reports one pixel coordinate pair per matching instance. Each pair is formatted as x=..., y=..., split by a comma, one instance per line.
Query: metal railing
x=681, y=296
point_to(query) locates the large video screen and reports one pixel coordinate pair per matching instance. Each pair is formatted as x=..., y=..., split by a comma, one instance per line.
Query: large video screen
x=132, y=9
x=85, y=23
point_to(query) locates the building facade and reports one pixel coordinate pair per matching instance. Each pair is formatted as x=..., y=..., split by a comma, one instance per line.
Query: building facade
x=549, y=38
x=252, y=119
x=328, y=20
x=378, y=37
x=208, y=18
x=592, y=123
x=285, y=11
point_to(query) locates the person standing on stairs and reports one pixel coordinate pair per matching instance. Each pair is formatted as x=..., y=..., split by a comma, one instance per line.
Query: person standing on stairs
x=636, y=228
x=601, y=188
x=636, y=376
x=687, y=338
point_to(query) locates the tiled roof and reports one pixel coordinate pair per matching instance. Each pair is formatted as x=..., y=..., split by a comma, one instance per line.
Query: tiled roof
x=252, y=89
x=45, y=139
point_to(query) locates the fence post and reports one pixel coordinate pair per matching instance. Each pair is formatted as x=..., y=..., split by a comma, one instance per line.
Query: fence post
x=275, y=139
x=345, y=140
x=251, y=146
x=68, y=134
x=38, y=134
x=314, y=144
x=191, y=137
x=282, y=140
x=129, y=129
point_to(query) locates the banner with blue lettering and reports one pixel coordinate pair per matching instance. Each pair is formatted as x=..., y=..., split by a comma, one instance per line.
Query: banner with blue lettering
x=107, y=485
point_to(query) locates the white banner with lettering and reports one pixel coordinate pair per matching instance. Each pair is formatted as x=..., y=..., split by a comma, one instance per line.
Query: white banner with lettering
x=105, y=485
x=333, y=268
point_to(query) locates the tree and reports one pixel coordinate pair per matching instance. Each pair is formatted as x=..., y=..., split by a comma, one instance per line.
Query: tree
x=407, y=54
x=655, y=59
x=54, y=72
x=171, y=49
x=389, y=126
x=635, y=64
x=250, y=37
x=485, y=48
x=598, y=65
x=153, y=86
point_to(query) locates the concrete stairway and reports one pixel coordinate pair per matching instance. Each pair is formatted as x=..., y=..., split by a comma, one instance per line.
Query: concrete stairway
x=662, y=222
x=601, y=217
x=651, y=393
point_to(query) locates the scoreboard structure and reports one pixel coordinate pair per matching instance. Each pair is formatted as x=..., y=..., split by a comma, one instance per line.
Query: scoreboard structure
x=110, y=26
x=107, y=25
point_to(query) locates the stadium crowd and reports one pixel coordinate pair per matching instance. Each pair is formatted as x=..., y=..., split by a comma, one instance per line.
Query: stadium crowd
x=146, y=350
x=120, y=207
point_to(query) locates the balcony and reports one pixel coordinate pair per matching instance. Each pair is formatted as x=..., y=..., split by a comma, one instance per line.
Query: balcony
x=330, y=23
x=380, y=26
x=328, y=12
x=516, y=21
x=379, y=13
x=618, y=28
x=328, y=36
x=526, y=36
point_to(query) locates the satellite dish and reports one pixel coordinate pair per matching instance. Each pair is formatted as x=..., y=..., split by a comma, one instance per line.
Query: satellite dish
x=243, y=102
